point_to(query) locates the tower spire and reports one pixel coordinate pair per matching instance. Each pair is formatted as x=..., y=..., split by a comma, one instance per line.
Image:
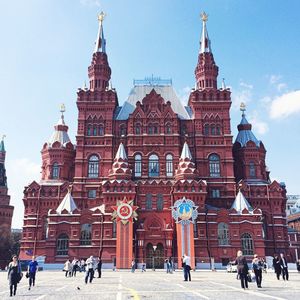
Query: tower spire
x=100, y=42
x=205, y=41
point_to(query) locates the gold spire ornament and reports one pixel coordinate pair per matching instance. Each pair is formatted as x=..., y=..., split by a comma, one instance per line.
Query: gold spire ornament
x=204, y=16
x=101, y=16
x=243, y=107
x=62, y=108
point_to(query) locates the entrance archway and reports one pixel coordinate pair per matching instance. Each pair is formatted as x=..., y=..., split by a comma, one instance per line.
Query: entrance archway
x=155, y=258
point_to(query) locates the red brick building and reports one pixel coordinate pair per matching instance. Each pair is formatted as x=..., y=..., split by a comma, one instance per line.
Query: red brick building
x=6, y=210
x=154, y=150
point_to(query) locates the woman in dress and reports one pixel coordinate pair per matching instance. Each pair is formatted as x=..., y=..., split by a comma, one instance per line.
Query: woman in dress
x=14, y=275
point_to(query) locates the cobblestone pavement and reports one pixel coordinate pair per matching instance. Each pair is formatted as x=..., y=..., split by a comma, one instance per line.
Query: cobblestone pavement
x=152, y=285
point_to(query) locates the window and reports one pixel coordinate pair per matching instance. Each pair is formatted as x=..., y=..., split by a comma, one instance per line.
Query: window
x=247, y=244
x=86, y=234
x=168, y=129
x=101, y=130
x=62, y=244
x=206, y=129
x=252, y=171
x=55, y=171
x=148, y=201
x=223, y=234
x=215, y=193
x=89, y=130
x=137, y=129
x=213, y=130
x=218, y=130
x=150, y=129
x=214, y=165
x=95, y=130
x=160, y=202
x=169, y=165
x=122, y=130
x=93, y=167
x=92, y=193
x=138, y=165
x=153, y=166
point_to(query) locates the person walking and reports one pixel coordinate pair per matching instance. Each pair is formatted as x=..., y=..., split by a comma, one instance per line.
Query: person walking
x=171, y=264
x=31, y=270
x=14, y=275
x=284, y=267
x=99, y=267
x=257, y=267
x=89, y=270
x=132, y=266
x=74, y=266
x=242, y=268
x=168, y=266
x=143, y=267
x=276, y=266
x=186, y=261
x=68, y=268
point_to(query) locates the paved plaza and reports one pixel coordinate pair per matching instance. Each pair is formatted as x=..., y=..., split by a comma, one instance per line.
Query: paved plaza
x=152, y=285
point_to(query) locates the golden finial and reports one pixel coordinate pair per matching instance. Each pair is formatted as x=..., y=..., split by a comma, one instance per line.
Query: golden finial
x=62, y=108
x=204, y=16
x=101, y=16
x=243, y=107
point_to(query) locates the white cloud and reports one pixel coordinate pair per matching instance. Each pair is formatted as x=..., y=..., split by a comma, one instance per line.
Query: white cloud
x=90, y=3
x=20, y=172
x=275, y=81
x=285, y=105
x=259, y=126
x=243, y=94
x=281, y=86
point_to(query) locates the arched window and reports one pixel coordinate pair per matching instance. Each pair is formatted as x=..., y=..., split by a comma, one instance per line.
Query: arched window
x=169, y=165
x=137, y=129
x=95, y=130
x=155, y=129
x=214, y=165
x=218, y=130
x=168, y=129
x=55, y=171
x=247, y=244
x=148, y=201
x=101, y=130
x=89, y=130
x=62, y=244
x=122, y=130
x=86, y=234
x=223, y=234
x=160, y=202
x=93, y=167
x=138, y=165
x=213, y=129
x=150, y=129
x=206, y=129
x=252, y=171
x=153, y=166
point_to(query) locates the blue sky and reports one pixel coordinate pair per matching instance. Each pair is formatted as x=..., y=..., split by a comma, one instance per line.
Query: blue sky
x=46, y=47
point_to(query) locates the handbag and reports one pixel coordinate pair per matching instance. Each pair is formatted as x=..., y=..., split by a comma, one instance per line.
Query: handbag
x=20, y=276
x=27, y=275
x=249, y=279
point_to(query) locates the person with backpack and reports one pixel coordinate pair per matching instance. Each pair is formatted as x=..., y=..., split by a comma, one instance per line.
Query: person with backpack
x=14, y=275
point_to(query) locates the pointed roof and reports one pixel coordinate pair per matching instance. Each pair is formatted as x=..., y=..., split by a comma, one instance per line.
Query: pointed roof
x=205, y=41
x=121, y=153
x=186, y=153
x=245, y=133
x=100, y=45
x=240, y=203
x=61, y=131
x=2, y=147
x=67, y=204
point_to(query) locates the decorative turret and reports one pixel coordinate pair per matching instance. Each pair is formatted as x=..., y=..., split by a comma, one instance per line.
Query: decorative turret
x=99, y=70
x=206, y=71
x=67, y=204
x=120, y=169
x=249, y=153
x=186, y=167
x=240, y=203
x=58, y=153
x=2, y=163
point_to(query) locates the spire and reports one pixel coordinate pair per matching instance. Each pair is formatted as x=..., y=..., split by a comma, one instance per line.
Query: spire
x=223, y=84
x=240, y=203
x=67, y=204
x=2, y=148
x=3, y=181
x=99, y=70
x=205, y=41
x=206, y=71
x=186, y=153
x=120, y=168
x=245, y=133
x=61, y=130
x=100, y=42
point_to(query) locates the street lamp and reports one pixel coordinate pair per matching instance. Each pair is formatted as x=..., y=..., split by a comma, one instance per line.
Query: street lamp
x=153, y=266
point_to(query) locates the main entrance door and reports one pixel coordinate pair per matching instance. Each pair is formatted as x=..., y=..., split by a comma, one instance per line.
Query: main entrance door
x=155, y=256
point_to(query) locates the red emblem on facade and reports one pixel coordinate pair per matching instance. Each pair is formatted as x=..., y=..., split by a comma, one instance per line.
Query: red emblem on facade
x=125, y=211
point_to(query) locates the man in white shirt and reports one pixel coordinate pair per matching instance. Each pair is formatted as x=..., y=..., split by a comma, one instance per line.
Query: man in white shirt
x=187, y=267
x=284, y=267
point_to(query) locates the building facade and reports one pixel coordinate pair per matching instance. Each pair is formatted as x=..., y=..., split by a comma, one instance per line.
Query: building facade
x=6, y=210
x=154, y=150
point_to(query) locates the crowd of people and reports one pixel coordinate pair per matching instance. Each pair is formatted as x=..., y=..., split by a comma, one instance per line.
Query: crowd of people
x=93, y=264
